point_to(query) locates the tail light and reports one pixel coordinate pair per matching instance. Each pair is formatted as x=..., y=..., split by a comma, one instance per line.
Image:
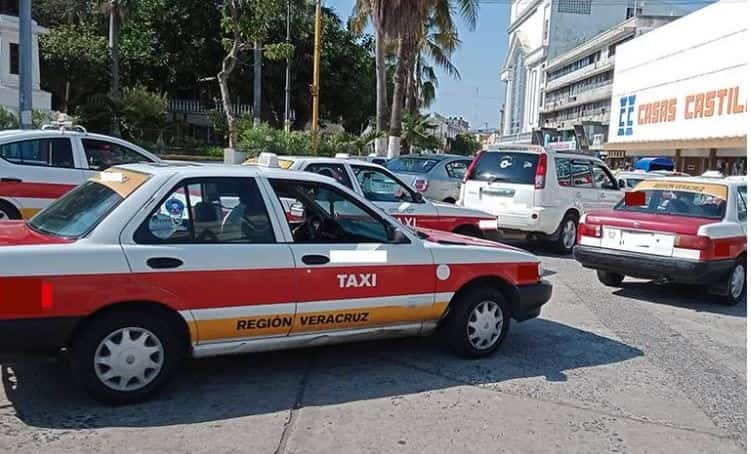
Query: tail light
x=542, y=168
x=471, y=169
x=421, y=184
x=692, y=242
x=593, y=230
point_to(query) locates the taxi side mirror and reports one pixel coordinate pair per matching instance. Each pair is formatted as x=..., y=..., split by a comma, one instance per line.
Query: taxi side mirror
x=395, y=235
x=635, y=199
x=418, y=197
x=621, y=184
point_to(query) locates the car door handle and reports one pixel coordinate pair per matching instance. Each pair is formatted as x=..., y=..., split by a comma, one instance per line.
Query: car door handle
x=315, y=259
x=603, y=195
x=578, y=194
x=160, y=263
x=11, y=180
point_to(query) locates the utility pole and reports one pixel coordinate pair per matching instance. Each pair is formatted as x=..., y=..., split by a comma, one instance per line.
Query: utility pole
x=24, y=63
x=287, y=75
x=257, y=74
x=316, y=76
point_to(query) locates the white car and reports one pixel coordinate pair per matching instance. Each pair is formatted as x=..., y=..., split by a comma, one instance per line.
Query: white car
x=538, y=194
x=629, y=179
x=389, y=192
x=147, y=263
x=37, y=166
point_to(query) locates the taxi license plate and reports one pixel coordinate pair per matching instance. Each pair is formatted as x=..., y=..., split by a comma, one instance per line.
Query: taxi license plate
x=633, y=241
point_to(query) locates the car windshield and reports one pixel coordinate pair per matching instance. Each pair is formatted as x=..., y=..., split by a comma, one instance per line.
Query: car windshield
x=77, y=213
x=411, y=165
x=679, y=199
x=506, y=166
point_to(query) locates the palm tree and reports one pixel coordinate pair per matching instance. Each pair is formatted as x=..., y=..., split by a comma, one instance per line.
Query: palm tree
x=417, y=131
x=405, y=24
x=376, y=11
x=115, y=9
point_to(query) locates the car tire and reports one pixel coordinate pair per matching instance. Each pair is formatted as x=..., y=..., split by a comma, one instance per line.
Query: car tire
x=8, y=211
x=478, y=322
x=565, y=242
x=610, y=279
x=135, y=355
x=469, y=230
x=449, y=200
x=736, y=283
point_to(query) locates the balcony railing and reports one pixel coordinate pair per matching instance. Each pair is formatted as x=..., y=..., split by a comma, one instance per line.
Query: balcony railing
x=580, y=73
x=193, y=106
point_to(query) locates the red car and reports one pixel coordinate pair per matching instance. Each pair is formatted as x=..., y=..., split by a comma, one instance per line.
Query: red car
x=687, y=230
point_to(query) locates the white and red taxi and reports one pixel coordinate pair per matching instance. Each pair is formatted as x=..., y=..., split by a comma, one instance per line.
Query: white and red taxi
x=39, y=165
x=146, y=263
x=685, y=230
x=390, y=193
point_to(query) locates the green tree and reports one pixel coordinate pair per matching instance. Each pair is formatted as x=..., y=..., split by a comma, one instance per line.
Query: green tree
x=417, y=132
x=464, y=144
x=75, y=57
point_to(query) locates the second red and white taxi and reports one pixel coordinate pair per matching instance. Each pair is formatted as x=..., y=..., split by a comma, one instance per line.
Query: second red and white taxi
x=684, y=230
x=147, y=263
x=391, y=194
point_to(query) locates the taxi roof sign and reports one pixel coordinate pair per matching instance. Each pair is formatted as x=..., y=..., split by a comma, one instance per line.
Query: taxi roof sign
x=266, y=159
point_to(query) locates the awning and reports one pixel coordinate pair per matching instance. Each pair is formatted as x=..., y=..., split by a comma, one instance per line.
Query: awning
x=677, y=144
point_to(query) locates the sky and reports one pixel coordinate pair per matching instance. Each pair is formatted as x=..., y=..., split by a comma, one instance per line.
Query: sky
x=478, y=95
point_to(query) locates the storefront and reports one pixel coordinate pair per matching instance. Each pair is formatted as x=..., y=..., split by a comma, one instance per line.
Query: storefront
x=680, y=92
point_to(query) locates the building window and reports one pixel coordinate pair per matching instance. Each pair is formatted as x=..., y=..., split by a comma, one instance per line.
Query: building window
x=575, y=6
x=630, y=12
x=14, y=61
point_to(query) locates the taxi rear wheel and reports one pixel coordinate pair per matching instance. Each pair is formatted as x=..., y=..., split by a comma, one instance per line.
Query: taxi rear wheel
x=610, y=279
x=736, y=285
x=8, y=211
x=478, y=322
x=123, y=356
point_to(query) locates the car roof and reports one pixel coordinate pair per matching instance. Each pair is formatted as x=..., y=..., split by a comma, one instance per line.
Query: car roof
x=189, y=170
x=326, y=160
x=439, y=156
x=700, y=180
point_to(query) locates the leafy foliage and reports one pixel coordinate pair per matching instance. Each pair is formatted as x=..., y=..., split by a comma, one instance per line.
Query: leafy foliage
x=417, y=132
x=143, y=113
x=465, y=144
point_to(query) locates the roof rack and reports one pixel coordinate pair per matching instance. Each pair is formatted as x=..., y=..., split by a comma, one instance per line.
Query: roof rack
x=63, y=126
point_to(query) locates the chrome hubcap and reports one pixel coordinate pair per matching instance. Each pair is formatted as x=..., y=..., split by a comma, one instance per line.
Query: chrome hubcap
x=737, y=280
x=485, y=325
x=129, y=359
x=569, y=234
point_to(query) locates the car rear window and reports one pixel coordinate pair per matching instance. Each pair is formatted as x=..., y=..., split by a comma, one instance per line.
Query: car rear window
x=77, y=213
x=411, y=165
x=506, y=166
x=680, y=199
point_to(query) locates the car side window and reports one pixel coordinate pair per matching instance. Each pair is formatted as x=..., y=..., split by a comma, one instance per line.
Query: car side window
x=602, y=177
x=379, y=186
x=39, y=152
x=319, y=213
x=581, y=174
x=335, y=171
x=209, y=210
x=563, y=171
x=457, y=169
x=742, y=206
x=101, y=155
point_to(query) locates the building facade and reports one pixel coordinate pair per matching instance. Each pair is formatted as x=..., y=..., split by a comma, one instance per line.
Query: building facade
x=681, y=91
x=9, y=66
x=447, y=128
x=579, y=83
x=542, y=30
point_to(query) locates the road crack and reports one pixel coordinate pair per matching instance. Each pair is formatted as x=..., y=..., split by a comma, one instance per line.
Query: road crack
x=296, y=406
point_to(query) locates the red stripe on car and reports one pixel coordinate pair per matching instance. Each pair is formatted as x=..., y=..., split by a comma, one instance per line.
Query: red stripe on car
x=34, y=190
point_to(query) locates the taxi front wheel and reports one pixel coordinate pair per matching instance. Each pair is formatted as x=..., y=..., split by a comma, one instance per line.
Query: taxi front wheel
x=478, y=322
x=736, y=284
x=123, y=356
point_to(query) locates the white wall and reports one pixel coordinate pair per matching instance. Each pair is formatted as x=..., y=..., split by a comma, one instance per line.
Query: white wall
x=702, y=52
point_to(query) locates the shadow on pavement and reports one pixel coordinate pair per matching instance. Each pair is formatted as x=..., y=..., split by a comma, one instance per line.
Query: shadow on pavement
x=44, y=394
x=689, y=297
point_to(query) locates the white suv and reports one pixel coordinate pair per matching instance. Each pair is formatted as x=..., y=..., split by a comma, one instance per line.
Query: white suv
x=37, y=166
x=538, y=194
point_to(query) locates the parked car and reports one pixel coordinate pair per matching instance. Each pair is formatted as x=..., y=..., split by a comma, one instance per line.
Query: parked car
x=206, y=263
x=436, y=176
x=538, y=194
x=629, y=180
x=685, y=230
x=38, y=166
x=391, y=194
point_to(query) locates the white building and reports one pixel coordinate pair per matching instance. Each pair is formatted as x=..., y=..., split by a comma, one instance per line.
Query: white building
x=681, y=91
x=447, y=128
x=9, y=65
x=541, y=30
x=579, y=83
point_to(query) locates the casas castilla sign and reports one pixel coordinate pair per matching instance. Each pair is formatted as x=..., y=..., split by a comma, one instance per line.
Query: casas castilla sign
x=722, y=101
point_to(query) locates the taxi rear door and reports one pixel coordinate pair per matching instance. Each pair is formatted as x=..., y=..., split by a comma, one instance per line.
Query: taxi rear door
x=353, y=275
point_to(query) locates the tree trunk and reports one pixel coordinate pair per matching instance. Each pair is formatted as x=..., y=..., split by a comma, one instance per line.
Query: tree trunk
x=228, y=65
x=114, y=51
x=66, y=98
x=257, y=74
x=381, y=95
x=397, y=102
x=410, y=103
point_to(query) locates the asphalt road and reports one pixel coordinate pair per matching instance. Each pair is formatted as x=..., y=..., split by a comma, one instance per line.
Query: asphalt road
x=646, y=368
